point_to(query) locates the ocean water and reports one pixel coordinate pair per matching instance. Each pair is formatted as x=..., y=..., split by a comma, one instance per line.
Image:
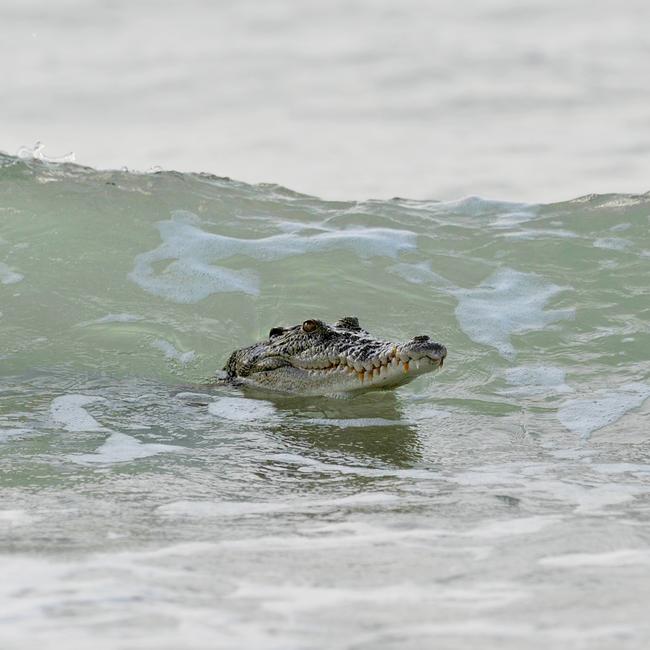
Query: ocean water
x=541, y=100
x=503, y=502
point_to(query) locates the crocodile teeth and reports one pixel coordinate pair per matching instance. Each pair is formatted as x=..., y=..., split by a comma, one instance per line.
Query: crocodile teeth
x=406, y=366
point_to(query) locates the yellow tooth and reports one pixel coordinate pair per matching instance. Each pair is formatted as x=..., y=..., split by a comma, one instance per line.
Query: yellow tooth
x=406, y=366
x=361, y=376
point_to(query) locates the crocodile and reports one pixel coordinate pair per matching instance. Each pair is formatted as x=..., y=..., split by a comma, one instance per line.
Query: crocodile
x=317, y=358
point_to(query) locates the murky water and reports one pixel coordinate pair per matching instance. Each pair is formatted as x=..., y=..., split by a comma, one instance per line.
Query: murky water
x=502, y=502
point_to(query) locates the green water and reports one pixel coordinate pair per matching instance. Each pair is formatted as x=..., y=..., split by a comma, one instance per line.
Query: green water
x=502, y=502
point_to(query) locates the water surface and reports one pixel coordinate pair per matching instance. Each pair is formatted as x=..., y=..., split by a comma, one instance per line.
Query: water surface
x=502, y=502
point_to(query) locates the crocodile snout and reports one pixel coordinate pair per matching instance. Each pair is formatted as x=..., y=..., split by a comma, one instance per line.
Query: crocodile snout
x=440, y=351
x=422, y=346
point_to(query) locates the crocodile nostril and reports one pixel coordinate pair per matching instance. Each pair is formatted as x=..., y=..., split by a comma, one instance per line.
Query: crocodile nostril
x=420, y=339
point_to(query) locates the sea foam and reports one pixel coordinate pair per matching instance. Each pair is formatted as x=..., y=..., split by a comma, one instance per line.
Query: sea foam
x=242, y=409
x=68, y=412
x=536, y=380
x=172, y=353
x=191, y=274
x=506, y=303
x=120, y=448
x=603, y=407
x=8, y=275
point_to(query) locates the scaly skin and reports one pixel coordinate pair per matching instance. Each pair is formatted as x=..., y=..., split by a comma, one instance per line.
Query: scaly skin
x=317, y=358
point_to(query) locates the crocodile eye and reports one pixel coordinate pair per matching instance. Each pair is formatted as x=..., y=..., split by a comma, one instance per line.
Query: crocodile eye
x=309, y=326
x=276, y=331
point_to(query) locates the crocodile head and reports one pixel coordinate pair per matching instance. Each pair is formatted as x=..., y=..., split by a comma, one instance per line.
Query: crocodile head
x=318, y=358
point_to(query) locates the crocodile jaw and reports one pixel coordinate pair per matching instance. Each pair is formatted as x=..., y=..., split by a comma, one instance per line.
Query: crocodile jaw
x=345, y=375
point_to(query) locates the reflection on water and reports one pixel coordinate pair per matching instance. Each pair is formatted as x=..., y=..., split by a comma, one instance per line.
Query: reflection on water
x=363, y=430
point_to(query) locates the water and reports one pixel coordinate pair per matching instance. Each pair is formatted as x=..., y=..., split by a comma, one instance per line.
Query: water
x=502, y=502
x=541, y=100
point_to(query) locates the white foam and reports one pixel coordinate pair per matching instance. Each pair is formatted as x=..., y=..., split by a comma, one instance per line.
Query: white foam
x=120, y=448
x=488, y=475
x=113, y=318
x=68, y=411
x=621, y=227
x=204, y=509
x=513, y=219
x=583, y=416
x=241, y=409
x=8, y=276
x=540, y=234
x=181, y=549
x=587, y=499
x=620, y=468
x=421, y=273
x=189, y=281
x=349, y=535
x=290, y=598
x=172, y=353
x=508, y=527
x=536, y=380
x=489, y=633
x=622, y=557
x=345, y=423
x=508, y=302
x=595, y=499
x=14, y=432
x=505, y=212
x=421, y=413
x=308, y=465
x=191, y=274
x=613, y=243
x=16, y=518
